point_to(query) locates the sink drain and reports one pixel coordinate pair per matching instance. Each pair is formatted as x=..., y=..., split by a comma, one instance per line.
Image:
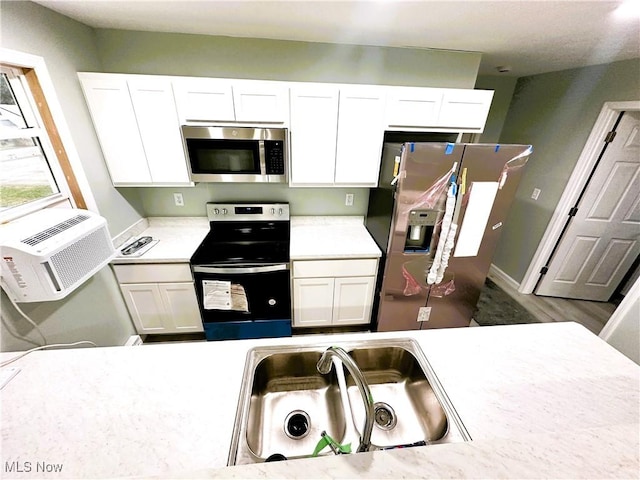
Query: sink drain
x=297, y=424
x=384, y=416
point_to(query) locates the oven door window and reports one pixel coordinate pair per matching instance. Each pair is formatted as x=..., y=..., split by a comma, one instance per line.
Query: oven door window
x=224, y=156
x=244, y=296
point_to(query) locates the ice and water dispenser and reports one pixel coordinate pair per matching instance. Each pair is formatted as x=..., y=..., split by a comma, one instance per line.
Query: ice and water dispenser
x=420, y=228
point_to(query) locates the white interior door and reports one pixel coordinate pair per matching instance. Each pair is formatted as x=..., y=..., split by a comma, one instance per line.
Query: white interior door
x=602, y=239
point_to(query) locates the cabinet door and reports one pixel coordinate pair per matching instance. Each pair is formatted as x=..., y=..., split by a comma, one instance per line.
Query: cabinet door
x=360, y=136
x=314, y=123
x=465, y=109
x=155, y=110
x=146, y=307
x=204, y=99
x=312, y=302
x=413, y=107
x=261, y=102
x=353, y=299
x=116, y=126
x=182, y=307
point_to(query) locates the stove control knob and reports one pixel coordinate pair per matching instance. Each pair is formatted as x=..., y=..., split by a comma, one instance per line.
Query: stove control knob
x=216, y=211
x=271, y=302
x=279, y=211
x=273, y=211
x=224, y=211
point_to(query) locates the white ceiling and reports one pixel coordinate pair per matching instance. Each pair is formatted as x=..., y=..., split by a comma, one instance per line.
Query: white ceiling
x=529, y=36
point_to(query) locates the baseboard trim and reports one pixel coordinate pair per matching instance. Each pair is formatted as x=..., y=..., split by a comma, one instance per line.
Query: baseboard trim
x=496, y=272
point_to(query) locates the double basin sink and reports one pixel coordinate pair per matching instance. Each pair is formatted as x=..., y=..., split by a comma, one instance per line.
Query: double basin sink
x=286, y=405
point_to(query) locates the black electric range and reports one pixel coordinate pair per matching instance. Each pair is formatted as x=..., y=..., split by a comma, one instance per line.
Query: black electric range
x=242, y=271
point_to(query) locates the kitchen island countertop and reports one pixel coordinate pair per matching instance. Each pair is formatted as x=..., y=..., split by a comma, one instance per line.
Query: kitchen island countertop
x=539, y=400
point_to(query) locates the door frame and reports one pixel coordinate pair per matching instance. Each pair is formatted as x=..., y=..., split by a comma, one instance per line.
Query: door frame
x=575, y=184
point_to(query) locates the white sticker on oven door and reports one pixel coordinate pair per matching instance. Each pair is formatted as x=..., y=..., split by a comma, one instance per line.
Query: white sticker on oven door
x=216, y=295
x=220, y=295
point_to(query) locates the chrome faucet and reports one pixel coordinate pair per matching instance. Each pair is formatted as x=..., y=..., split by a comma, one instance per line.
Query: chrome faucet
x=324, y=367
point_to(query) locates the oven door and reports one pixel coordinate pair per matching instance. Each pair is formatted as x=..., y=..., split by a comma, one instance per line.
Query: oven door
x=243, y=293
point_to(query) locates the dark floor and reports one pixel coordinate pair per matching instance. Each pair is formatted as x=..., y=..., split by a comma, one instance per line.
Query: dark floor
x=495, y=307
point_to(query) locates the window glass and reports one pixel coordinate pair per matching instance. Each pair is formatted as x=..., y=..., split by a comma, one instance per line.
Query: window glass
x=25, y=174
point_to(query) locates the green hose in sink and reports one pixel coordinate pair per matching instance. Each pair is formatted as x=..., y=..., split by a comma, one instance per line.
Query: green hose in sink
x=325, y=441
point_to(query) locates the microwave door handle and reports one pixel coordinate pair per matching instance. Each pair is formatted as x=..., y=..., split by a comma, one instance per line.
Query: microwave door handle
x=240, y=270
x=263, y=155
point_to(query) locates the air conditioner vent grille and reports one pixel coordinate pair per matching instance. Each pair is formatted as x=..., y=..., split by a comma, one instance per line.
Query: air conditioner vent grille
x=55, y=230
x=72, y=263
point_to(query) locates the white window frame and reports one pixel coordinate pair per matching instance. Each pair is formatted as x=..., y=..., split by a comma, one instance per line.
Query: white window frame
x=64, y=199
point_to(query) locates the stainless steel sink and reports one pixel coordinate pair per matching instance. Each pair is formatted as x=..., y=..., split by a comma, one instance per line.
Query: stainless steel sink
x=407, y=409
x=291, y=404
x=285, y=403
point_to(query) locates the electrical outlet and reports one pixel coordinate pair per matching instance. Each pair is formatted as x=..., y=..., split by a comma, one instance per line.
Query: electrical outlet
x=536, y=193
x=424, y=313
x=348, y=200
x=178, y=200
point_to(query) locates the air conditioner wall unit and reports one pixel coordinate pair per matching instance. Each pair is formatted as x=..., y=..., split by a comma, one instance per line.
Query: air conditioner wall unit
x=50, y=253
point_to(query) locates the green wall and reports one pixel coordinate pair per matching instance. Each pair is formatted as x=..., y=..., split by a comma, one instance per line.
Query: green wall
x=158, y=202
x=555, y=112
x=213, y=56
x=503, y=88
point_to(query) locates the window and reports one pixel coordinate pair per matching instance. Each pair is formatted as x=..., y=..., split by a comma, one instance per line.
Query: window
x=34, y=170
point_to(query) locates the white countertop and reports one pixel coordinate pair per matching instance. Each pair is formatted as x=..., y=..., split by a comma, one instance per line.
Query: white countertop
x=314, y=238
x=539, y=400
x=179, y=237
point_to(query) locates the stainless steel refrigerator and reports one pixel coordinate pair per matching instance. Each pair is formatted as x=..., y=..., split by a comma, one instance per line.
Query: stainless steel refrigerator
x=438, y=213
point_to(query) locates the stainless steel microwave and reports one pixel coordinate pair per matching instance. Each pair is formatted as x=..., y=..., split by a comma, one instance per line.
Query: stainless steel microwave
x=236, y=154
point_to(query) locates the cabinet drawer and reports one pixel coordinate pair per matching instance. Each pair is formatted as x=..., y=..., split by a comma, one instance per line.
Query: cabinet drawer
x=335, y=268
x=153, y=273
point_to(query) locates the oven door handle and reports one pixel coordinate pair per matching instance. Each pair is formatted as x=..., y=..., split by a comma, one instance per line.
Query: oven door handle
x=240, y=270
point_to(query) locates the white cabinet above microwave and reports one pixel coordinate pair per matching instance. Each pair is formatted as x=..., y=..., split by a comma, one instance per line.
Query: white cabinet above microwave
x=225, y=101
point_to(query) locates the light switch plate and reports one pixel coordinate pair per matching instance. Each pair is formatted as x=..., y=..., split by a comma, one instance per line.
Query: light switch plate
x=536, y=193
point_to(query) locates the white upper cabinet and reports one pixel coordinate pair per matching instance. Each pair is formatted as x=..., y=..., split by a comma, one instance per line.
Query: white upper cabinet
x=413, y=107
x=137, y=124
x=263, y=102
x=437, y=109
x=204, y=99
x=314, y=119
x=336, y=135
x=360, y=135
x=116, y=126
x=336, y=130
x=220, y=101
x=157, y=118
x=465, y=109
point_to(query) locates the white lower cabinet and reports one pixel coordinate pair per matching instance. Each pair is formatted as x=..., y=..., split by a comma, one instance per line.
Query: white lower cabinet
x=333, y=292
x=157, y=304
x=352, y=300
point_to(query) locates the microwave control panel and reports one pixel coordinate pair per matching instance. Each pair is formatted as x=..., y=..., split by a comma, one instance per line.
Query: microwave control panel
x=274, y=157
